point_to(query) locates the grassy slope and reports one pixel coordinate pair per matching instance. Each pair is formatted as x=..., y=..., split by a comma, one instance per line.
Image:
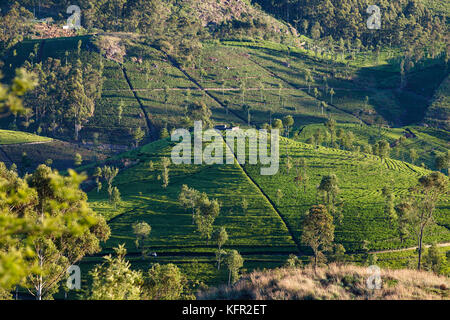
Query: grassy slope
x=259, y=233
x=428, y=143
x=441, y=7
x=115, y=88
x=352, y=84
x=17, y=137
x=229, y=67
x=259, y=229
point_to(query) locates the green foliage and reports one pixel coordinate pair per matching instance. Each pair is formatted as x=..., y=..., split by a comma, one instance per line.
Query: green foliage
x=13, y=26
x=434, y=260
x=51, y=227
x=318, y=231
x=164, y=282
x=329, y=189
x=381, y=149
x=67, y=109
x=293, y=261
x=438, y=114
x=114, y=280
x=173, y=229
x=347, y=20
x=188, y=199
x=234, y=262
x=138, y=135
x=338, y=254
x=78, y=159
x=206, y=212
x=115, y=197
x=221, y=237
x=17, y=137
x=443, y=161
x=361, y=186
x=423, y=199
x=11, y=96
x=141, y=230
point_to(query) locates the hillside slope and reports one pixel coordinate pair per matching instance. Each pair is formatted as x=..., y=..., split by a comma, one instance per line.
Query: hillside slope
x=361, y=178
x=333, y=282
x=438, y=114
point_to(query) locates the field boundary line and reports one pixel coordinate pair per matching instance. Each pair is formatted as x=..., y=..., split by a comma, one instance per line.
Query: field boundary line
x=194, y=81
x=151, y=128
x=282, y=217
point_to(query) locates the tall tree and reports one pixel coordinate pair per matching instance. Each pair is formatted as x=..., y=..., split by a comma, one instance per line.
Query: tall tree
x=206, y=213
x=138, y=135
x=163, y=282
x=221, y=236
x=234, y=262
x=109, y=173
x=80, y=105
x=331, y=126
x=424, y=198
x=318, y=231
x=188, y=199
x=288, y=122
x=57, y=204
x=141, y=230
x=329, y=189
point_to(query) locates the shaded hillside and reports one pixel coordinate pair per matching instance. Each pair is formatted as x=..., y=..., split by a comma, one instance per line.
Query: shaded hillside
x=438, y=114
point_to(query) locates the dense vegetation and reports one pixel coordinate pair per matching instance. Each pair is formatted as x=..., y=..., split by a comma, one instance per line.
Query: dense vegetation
x=364, y=152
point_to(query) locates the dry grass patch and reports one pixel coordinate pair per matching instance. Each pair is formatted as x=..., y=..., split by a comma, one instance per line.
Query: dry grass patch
x=333, y=282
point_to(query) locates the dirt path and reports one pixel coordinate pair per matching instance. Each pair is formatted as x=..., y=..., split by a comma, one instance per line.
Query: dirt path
x=26, y=143
x=447, y=244
x=224, y=89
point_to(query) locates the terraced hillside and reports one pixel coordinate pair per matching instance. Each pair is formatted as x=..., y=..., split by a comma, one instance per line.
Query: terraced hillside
x=378, y=80
x=259, y=233
x=361, y=179
x=426, y=142
x=271, y=227
x=154, y=90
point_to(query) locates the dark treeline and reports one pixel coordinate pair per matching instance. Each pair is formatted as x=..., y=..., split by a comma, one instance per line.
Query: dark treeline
x=403, y=21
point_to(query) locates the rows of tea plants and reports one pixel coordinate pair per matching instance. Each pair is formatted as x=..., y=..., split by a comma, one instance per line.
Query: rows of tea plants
x=361, y=179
